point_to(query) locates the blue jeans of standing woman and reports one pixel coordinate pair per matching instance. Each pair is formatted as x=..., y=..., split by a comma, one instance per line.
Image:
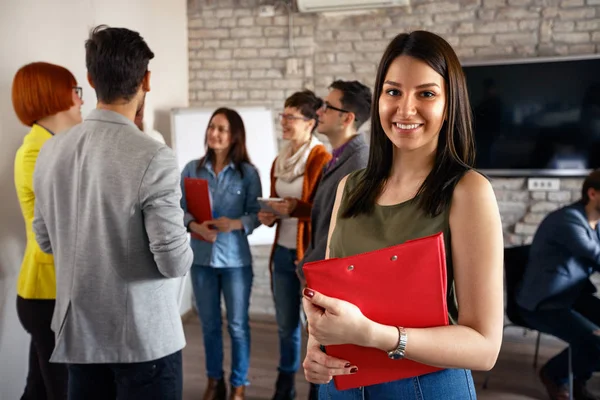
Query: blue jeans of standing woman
x=286, y=291
x=447, y=384
x=235, y=284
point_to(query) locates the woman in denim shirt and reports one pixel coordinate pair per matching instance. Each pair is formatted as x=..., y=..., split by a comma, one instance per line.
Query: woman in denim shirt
x=223, y=263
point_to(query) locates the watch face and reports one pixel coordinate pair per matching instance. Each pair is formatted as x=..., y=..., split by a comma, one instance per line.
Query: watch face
x=394, y=355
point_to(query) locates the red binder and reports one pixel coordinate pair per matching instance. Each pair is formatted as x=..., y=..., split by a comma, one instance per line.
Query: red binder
x=402, y=285
x=197, y=197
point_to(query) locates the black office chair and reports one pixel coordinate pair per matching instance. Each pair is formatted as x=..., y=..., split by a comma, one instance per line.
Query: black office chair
x=515, y=261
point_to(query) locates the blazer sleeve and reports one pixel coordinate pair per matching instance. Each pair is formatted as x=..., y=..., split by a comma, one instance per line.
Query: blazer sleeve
x=573, y=235
x=41, y=231
x=24, y=175
x=187, y=217
x=314, y=170
x=32, y=206
x=160, y=197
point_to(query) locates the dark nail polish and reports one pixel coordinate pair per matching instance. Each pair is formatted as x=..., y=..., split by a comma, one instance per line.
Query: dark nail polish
x=309, y=293
x=347, y=365
x=354, y=370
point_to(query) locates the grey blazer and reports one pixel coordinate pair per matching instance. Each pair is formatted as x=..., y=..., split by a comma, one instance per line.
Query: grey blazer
x=354, y=157
x=107, y=207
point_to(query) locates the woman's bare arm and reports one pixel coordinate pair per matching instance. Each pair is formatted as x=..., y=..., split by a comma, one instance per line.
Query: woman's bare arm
x=477, y=255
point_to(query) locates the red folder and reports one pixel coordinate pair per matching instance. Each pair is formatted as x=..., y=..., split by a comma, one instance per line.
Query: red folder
x=402, y=285
x=197, y=197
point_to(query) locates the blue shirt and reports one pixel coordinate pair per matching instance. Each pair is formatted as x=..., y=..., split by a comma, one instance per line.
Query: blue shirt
x=232, y=197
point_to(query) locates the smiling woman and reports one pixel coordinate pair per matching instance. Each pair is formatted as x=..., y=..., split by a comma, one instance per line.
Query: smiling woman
x=418, y=182
x=222, y=261
x=411, y=113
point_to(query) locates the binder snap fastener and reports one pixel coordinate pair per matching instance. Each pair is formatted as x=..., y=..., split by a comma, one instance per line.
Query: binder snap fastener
x=350, y=267
x=394, y=258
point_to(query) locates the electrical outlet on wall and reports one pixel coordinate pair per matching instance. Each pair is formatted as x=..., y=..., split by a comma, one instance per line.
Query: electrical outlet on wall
x=534, y=184
x=266, y=11
x=291, y=67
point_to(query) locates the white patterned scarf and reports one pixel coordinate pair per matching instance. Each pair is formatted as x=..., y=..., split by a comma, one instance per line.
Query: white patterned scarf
x=290, y=166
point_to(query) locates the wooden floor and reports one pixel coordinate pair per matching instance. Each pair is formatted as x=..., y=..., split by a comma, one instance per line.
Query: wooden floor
x=513, y=378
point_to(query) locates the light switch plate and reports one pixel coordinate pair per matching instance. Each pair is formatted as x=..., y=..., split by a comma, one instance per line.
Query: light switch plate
x=266, y=11
x=534, y=184
x=291, y=67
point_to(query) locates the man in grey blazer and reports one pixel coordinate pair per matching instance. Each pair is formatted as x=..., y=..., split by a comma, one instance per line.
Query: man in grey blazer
x=108, y=208
x=345, y=109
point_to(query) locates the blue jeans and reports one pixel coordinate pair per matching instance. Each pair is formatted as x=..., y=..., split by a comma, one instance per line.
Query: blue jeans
x=153, y=380
x=447, y=384
x=575, y=326
x=235, y=284
x=286, y=291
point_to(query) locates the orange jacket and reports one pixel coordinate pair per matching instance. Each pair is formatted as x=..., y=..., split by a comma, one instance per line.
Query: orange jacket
x=317, y=159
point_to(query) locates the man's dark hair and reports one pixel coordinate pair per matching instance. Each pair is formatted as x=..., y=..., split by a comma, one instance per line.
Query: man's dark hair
x=591, y=182
x=116, y=60
x=356, y=98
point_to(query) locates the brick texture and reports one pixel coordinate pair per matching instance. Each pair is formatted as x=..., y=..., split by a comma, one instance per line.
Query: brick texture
x=238, y=58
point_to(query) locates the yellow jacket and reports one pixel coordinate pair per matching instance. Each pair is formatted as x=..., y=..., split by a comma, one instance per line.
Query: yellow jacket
x=36, y=279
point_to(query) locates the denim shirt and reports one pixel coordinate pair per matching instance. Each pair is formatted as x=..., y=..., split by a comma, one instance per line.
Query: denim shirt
x=233, y=197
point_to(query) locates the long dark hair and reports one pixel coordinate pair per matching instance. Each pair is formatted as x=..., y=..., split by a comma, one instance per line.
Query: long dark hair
x=238, y=153
x=455, y=152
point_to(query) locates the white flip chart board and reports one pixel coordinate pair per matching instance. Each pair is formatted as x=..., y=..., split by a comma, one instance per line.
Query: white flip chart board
x=188, y=128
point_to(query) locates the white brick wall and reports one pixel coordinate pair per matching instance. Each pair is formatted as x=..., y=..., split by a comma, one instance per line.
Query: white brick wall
x=238, y=58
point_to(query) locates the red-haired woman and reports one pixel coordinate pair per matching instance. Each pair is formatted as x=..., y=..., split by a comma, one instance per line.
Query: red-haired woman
x=47, y=99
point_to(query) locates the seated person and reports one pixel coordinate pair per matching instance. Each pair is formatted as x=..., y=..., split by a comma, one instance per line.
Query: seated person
x=556, y=295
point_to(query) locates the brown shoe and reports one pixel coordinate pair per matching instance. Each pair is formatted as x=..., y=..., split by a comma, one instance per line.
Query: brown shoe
x=215, y=390
x=556, y=392
x=237, y=393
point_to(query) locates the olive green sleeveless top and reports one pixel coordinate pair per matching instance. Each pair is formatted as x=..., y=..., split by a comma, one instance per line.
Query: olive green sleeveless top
x=388, y=226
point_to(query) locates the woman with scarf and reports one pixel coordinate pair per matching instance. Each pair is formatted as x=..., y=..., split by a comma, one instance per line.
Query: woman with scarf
x=294, y=178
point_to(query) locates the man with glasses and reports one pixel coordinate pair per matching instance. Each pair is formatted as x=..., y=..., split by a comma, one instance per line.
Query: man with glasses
x=346, y=108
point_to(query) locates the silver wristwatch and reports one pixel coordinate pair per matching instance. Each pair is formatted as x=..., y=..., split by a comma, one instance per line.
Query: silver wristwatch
x=398, y=353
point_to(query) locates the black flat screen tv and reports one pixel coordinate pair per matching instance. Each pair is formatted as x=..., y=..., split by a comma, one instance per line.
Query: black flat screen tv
x=537, y=117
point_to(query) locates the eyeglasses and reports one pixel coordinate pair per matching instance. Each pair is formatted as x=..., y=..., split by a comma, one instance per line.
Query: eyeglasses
x=326, y=106
x=79, y=91
x=290, y=117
